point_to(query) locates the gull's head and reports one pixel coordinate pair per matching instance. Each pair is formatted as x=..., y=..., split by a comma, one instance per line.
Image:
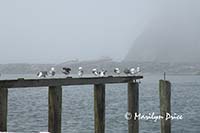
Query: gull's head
x=94, y=70
x=52, y=69
x=116, y=69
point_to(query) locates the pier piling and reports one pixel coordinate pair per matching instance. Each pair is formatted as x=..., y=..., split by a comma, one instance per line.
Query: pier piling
x=133, y=106
x=165, y=105
x=3, y=109
x=55, y=109
x=99, y=108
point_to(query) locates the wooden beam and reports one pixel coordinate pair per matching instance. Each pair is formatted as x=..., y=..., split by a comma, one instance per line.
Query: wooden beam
x=20, y=83
x=99, y=108
x=3, y=109
x=55, y=109
x=165, y=105
x=133, y=106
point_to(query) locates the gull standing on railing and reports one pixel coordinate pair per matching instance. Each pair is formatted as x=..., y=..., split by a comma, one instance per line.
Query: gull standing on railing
x=42, y=74
x=95, y=72
x=66, y=71
x=117, y=71
x=80, y=72
x=52, y=72
x=102, y=73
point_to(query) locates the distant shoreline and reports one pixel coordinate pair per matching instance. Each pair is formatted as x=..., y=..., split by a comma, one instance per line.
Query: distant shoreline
x=108, y=64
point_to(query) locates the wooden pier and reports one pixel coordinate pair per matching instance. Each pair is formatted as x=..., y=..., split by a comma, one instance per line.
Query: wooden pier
x=55, y=98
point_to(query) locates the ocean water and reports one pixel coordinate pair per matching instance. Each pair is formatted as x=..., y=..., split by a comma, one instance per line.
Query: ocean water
x=28, y=107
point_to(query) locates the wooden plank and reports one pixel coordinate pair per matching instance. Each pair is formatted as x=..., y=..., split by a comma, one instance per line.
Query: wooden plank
x=20, y=83
x=55, y=109
x=3, y=109
x=133, y=106
x=165, y=105
x=99, y=108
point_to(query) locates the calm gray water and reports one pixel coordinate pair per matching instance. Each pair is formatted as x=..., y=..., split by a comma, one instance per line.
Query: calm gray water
x=28, y=107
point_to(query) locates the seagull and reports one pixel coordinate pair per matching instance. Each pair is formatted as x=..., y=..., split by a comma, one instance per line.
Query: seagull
x=95, y=72
x=80, y=71
x=66, y=71
x=126, y=71
x=42, y=74
x=138, y=70
x=117, y=71
x=102, y=73
x=52, y=72
x=132, y=71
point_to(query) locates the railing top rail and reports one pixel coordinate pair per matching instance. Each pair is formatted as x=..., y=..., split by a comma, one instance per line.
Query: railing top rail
x=21, y=83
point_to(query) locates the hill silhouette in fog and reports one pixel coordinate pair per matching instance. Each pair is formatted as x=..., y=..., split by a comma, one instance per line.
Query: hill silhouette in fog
x=173, y=36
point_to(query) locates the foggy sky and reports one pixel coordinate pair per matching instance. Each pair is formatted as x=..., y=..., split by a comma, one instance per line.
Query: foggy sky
x=173, y=36
x=49, y=31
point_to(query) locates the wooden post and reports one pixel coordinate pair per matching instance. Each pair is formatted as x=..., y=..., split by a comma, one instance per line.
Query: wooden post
x=55, y=109
x=99, y=108
x=165, y=107
x=133, y=106
x=3, y=109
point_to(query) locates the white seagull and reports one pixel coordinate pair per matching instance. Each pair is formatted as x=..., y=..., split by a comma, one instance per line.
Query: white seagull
x=52, y=72
x=42, y=74
x=102, y=73
x=138, y=70
x=80, y=72
x=132, y=71
x=117, y=71
x=95, y=72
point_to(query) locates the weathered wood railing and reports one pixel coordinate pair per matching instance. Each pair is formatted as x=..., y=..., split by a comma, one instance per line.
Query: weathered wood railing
x=55, y=98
